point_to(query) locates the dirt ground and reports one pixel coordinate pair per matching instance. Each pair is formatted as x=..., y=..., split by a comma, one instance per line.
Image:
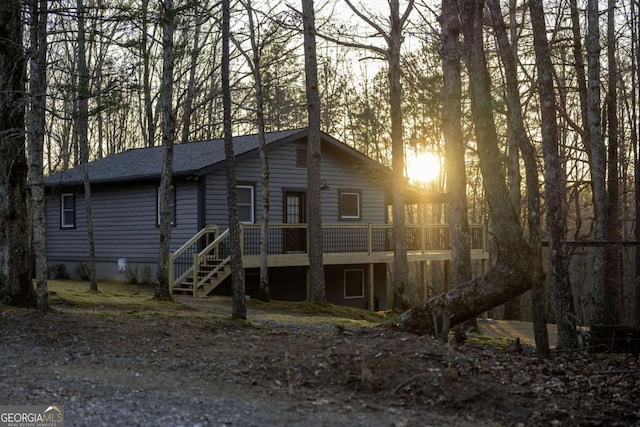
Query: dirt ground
x=187, y=364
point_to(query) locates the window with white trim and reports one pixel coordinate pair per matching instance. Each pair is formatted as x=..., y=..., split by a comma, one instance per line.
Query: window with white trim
x=172, y=207
x=246, y=205
x=67, y=210
x=349, y=204
x=353, y=283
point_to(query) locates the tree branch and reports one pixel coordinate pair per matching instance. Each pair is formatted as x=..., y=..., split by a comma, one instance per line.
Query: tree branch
x=369, y=21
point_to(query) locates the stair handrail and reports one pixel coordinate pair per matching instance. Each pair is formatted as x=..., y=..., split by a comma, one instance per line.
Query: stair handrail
x=208, y=229
x=214, y=244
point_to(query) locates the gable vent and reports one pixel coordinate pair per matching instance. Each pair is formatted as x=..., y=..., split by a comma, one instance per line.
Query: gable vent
x=301, y=157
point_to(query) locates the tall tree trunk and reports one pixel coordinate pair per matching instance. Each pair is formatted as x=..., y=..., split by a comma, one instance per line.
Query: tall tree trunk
x=578, y=59
x=239, y=310
x=263, y=293
x=613, y=269
x=597, y=165
x=37, y=92
x=314, y=157
x=555, y=184
x=518, y=132
x=511, y=308
x=394, y=41
x=82, y=129
x=187, y=111
x=459, y=233
x=15, y=278
x=163, y=291
x=635, y=72
x=400, y=261
x=516, y=261
x=149, y=132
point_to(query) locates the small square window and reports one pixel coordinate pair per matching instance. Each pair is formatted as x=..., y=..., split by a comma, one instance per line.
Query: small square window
x=354, y=283
x=172, y=207
x=349, y=204
x=68, y=210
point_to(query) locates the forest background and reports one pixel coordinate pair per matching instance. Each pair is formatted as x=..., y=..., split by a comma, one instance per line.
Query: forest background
x=592, y=46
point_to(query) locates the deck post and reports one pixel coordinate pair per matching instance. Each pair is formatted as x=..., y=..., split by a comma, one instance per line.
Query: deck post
x=369, y=239
x=447, y=275
x=372, y=306
x=424, y=271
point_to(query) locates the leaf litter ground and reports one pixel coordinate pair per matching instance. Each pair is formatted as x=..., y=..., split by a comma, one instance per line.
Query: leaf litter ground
x=118, y=358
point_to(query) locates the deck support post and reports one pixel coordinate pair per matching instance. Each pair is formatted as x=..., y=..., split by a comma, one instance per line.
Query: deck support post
x=372, y=306
x=308, y=279
x=447, y=275
x=424, y=275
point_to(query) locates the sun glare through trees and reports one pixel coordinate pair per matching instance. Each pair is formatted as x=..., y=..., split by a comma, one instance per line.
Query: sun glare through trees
x=423, y=168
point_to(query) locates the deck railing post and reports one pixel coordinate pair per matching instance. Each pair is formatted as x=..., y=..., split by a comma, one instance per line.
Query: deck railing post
x=423, y=238
x=369, y=239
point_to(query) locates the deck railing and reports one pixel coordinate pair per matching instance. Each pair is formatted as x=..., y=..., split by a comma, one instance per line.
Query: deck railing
x=200, y=260
x=354, y=238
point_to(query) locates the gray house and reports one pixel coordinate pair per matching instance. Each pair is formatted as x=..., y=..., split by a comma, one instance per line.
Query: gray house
x=357, y=235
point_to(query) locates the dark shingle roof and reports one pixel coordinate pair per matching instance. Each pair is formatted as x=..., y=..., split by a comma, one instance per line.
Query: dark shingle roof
x=188, y=159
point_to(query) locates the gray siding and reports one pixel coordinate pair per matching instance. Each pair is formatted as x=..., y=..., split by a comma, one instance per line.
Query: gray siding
x=125, y=225
x=336, y=170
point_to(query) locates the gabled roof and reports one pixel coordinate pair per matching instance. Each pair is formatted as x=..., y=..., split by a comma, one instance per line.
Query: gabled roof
x=194, y=158
x=203, y=157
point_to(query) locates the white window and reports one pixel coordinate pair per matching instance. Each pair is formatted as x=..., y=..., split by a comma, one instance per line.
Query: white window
x=172, y=207
x=349, y=204
x=354, y=283
x=245, y=204
x=67, y=210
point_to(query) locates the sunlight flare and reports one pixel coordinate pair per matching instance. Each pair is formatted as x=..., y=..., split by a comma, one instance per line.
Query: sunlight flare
x=423, y=168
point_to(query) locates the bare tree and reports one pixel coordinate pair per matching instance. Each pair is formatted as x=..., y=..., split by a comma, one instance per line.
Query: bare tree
x=555, y=188
x=15, y=278
x=613, y=268
x=254, y=61
x=517, y=133
x=635, y=137
x=314, y=156
x=191, y=84
x=36, y=134
x=460, y=235
x=82, y=130
x=393, y=38
x=145, y=51
x=237, y=283
x=597, y=162
x=168, y=136
x=512, y=272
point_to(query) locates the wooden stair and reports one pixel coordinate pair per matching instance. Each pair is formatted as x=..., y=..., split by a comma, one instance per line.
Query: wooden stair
x=208, y=267
x=211, y=273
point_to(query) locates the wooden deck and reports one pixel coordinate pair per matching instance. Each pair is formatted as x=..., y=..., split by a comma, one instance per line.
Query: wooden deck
x=202, y=262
